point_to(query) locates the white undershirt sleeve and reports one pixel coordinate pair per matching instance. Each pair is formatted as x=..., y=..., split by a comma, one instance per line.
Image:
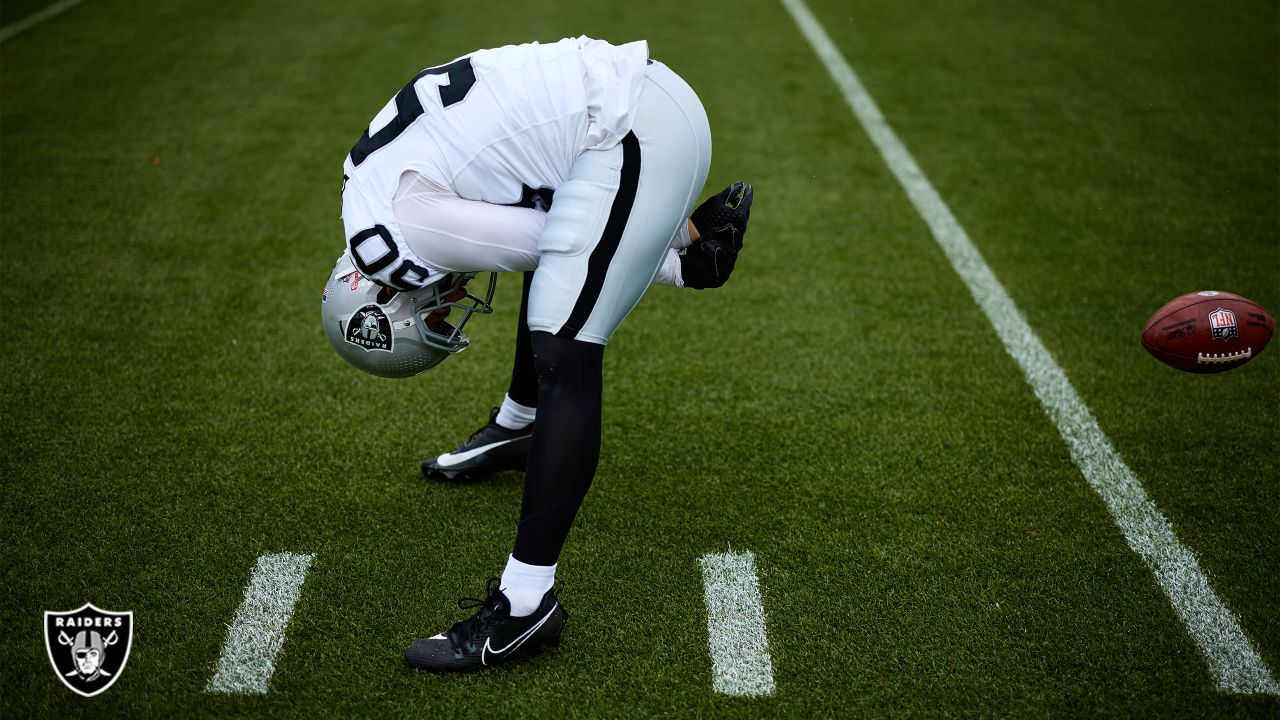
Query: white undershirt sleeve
x=457, y=235
x=669, y=271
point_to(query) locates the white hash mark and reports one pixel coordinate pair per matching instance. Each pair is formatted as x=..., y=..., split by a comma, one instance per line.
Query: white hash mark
x=735, y=625
x=256, y=635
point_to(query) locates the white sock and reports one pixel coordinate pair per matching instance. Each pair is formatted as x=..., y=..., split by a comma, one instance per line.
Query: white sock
x=524, y=585
x=514, y=416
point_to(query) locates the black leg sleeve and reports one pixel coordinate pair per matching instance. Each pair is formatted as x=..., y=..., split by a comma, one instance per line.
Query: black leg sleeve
x=524, y=375
x=566, y=444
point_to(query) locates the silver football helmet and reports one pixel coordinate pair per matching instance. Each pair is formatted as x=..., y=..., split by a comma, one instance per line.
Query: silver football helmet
x=397, y=334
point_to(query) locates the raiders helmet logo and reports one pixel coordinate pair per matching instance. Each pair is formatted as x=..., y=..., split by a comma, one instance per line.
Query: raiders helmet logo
x=370, y=328
x=88, y=646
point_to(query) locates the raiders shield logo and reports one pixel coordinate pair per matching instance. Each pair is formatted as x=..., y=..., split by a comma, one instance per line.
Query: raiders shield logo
x=370, y=328
x=88, y=647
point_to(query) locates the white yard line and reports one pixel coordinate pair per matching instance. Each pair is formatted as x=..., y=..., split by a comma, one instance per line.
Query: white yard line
x=257, y=632
x=35, y=18
x=1236, y=665
x=735, y=625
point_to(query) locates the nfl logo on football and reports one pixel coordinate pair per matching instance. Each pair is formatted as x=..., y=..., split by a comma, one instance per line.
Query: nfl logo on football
x=88, y=646
x=1223, y=324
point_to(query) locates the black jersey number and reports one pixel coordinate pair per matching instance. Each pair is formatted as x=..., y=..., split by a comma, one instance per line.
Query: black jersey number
x=408, y=275
x=408, y=108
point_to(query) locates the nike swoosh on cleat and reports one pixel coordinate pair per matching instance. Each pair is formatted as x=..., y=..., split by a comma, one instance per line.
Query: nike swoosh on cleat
x=514, y=644
x=448, y=460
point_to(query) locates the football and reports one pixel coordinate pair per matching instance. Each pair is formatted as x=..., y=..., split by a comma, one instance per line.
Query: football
x=1207, y=331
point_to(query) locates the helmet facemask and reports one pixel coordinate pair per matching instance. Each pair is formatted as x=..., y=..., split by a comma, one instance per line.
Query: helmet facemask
x=448, y=293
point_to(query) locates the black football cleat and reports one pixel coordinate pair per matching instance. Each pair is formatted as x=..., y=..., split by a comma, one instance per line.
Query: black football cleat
x=490, y=636
x=489, y=450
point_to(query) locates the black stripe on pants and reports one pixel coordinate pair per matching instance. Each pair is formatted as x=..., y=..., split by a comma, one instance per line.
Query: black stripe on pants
x=602, y=255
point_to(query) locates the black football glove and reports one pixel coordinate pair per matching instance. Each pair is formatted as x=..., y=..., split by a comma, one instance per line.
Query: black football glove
x=730, y=206
x=721, y=222
x=708, y=262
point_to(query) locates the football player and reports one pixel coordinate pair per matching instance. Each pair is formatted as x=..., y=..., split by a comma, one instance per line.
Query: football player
x=578, y=163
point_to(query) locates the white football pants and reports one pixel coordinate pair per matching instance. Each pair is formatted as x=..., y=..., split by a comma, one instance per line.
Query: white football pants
x=609, y=233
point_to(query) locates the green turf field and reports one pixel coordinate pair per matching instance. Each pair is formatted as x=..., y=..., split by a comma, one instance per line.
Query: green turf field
x=925, y=544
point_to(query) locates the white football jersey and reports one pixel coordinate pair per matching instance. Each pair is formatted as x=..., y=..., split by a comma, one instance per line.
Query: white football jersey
x=493, y=126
